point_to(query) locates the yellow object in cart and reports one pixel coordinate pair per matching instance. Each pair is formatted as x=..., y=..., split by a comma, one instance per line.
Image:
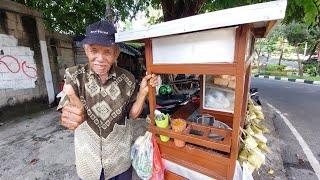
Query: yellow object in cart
x=163, y=123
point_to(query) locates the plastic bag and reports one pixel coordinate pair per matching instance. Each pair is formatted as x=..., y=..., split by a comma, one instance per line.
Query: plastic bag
x=142, y=156
x=157, y=167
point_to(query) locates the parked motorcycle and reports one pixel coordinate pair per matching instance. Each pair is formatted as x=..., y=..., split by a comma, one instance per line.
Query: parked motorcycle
x=254, y=95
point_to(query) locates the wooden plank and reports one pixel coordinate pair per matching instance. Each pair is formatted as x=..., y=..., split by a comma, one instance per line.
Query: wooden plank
x=208, y=163
x=259, y=32
x=248, y=63
x=149, y=61
x=242, y=35
x=168, y=175
x=245, y=95
x=217, y=145
x=269, y=27
x=214, y=69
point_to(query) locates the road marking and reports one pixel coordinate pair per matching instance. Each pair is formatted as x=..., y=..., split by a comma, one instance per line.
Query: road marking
x=300, y=80
x=307, y=151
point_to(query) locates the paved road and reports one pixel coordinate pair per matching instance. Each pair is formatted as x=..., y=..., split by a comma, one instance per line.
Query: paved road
x=300, y=103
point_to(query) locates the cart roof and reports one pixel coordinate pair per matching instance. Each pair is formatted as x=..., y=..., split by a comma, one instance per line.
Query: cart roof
x=263, y=17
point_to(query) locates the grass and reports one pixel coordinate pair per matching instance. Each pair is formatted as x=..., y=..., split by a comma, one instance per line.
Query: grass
x=317, y=78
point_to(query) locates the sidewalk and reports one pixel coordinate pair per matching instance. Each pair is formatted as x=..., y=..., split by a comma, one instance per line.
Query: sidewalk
x=35, y=146
x=274, y=160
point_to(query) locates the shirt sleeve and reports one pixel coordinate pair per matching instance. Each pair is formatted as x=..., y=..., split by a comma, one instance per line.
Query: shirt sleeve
x=132, y=99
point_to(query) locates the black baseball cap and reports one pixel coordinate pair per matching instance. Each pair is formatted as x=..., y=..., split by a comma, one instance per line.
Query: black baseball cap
x=101, y=33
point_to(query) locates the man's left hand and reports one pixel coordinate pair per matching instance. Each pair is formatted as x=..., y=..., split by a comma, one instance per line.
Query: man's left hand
x=152, y=79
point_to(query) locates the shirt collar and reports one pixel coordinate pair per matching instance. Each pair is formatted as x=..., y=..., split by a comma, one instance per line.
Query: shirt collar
x=112, y=71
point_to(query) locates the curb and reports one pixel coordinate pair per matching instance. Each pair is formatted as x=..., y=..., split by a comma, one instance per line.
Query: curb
x=288, y=79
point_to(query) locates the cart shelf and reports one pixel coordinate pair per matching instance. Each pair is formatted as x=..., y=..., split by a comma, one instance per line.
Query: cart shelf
x=209, y=68
x=202, y=140
x=202, y=161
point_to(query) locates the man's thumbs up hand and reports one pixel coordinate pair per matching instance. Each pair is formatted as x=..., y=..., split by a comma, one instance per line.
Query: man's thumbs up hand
x=73, y=98
x=72, y=114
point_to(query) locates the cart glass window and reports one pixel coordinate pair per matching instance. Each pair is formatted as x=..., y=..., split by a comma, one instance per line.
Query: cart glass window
x=219, y=92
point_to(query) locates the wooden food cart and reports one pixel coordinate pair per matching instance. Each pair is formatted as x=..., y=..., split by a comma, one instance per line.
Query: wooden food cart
x=213, y=45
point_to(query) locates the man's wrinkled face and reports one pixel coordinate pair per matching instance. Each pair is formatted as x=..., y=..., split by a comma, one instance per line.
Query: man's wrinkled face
x=101, y=58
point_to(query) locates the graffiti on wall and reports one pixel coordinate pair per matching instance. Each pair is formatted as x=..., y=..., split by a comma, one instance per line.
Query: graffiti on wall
x=13, y=65
x=17, y=66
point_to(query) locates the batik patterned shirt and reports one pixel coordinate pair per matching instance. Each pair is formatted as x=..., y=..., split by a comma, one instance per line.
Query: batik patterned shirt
x=104, y=139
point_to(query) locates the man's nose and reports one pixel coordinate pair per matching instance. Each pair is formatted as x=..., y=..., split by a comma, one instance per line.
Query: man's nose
x=100, y=58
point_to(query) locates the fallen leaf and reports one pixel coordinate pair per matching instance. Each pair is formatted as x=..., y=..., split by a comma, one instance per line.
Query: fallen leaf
x=34, y=161
x=271, y=171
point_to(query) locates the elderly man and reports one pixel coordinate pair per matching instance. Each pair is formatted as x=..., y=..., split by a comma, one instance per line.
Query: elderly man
x=99, y=97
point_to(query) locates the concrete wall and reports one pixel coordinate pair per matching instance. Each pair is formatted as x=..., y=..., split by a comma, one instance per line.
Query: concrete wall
x=30, y=68
x=61, y=55
x=21, y=72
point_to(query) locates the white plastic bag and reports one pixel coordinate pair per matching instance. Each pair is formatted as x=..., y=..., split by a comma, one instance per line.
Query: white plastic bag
x=244, y=173
x=247, y=171
x=142, y=156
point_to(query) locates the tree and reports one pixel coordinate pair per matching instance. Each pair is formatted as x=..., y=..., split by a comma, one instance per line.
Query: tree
x=303, y=11
x=313, y=40
x=297, y=34
x=72, y=16
x=259, y=47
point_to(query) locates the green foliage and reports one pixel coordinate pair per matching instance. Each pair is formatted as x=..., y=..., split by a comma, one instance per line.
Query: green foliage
x=72, y=16
x=307, y=11
x=214, y=5
x=311, y=69
x=296, y=33
x=274, y=73
x=275, y=67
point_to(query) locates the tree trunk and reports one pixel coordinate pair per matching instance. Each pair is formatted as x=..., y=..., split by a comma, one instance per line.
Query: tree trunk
x=318, y=67
x=180, y=8
x=109, y=13
x=258, y=60
x=281, y=54
x=280, y=58
x=313, y=50
x=299, y=62
x=318, y=60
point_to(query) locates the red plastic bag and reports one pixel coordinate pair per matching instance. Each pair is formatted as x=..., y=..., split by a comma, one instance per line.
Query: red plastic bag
x=157, y=165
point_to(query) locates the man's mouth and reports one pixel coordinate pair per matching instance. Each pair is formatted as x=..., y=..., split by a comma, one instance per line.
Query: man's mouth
x=98, y=66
